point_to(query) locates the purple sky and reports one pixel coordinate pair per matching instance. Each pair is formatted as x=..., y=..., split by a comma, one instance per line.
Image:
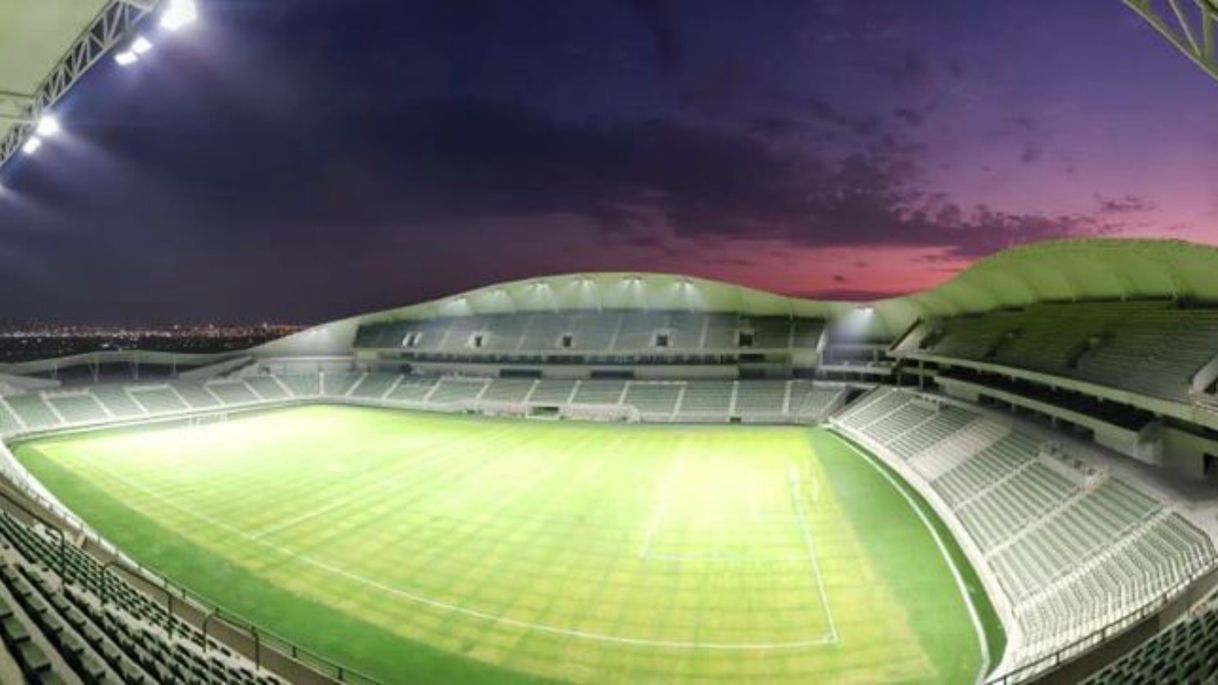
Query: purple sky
x=313, y=159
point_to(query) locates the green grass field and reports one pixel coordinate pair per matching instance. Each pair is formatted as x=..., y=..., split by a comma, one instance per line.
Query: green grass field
x=433, y=548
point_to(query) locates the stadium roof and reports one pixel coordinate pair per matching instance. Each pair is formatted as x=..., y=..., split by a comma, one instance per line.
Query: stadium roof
x=45, y=46
x=612, y=291
x=1070, y=270
x=1063, y=270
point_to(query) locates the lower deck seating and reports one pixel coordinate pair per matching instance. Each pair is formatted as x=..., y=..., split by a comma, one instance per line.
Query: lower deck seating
x=759, y=399
x=338, y=384
x=232, y=392
x=159, y=400
x=302, y=384
x=33, y=410
x=1071, y=552
x=195, y=395
x=411, y=390
x=78, y=408
x=457, y=390
x=374, y=385
x=654, y=399
x=117, y=401
x=509, y=390
x=553, y=391
x=710, y=401
x=600, y=392
x=9, y=423
x=266, y=387
x=706, y=400
x=75, y=628
x=1186, y=652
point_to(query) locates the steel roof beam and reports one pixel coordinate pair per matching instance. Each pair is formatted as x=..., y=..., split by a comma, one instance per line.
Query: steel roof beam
x=1192, y=35
x=113, y=25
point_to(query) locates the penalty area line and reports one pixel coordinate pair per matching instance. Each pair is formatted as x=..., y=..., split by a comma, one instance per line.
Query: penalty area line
x=810, y=544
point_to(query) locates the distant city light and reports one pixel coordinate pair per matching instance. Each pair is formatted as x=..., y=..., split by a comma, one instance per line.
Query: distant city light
x=31, y=146
x=179, y=14
x=126, y=58
x=48, y=126
x=141, y=45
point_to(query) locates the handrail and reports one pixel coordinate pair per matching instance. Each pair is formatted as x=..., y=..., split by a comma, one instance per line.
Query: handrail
x=342, y=673
x=63, y=541
x=1101, y=635
x=290, y=650
x=104, y=589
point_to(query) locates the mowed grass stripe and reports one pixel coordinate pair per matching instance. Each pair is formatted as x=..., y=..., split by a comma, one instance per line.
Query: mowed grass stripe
x=528, y=525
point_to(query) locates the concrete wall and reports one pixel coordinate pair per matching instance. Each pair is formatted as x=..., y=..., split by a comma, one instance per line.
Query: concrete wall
x=1184, y=452
x=1114, y=437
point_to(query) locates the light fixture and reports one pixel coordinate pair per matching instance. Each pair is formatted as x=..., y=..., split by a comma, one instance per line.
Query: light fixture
x=141, y=45
x=47, y=126
x=126, y=58
x=31, y=146
x=179, y=14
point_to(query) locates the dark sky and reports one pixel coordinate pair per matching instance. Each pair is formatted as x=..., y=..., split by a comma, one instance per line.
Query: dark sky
x=310, y=159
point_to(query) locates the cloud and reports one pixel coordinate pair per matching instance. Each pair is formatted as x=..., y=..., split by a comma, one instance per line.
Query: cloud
x=1126, y=204
x=909, y=115
x=476, y=159
x=654, y=183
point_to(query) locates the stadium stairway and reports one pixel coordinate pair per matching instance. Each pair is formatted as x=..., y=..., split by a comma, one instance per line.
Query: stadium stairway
x=1071, y=550
x=699, y=401
x=91, y=627
x=1186, y=652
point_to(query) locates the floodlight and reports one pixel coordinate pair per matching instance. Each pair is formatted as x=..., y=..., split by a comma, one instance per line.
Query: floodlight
x=141, y=45
x=31, y=146
x=126, y=58
x=47, y=126
x=179, y=14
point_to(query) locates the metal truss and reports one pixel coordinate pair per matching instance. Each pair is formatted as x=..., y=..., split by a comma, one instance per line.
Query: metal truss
x=1192, y=32
x=112, y=26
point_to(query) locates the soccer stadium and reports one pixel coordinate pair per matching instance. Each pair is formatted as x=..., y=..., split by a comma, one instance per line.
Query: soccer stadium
x=623, y=477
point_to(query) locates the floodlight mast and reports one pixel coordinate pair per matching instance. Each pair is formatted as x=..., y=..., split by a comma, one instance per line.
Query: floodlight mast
x=1192, y=35
x=114, y=24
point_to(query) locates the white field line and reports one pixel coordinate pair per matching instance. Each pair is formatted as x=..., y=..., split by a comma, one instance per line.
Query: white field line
x=308, y=515
x=947, y=557
x=809, y=542
x=674, y=475
x=725, y=557
x=475, y=613
x=353, y=496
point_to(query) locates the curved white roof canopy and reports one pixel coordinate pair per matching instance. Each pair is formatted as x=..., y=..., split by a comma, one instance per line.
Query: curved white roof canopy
x=1062, y=271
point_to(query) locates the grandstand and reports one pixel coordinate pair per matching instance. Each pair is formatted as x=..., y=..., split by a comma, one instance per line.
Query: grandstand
x=1049, y=448
x=1071, y=549
x=625, y=477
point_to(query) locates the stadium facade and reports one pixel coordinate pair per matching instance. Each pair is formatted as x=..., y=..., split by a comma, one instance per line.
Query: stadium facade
x=1055, y=405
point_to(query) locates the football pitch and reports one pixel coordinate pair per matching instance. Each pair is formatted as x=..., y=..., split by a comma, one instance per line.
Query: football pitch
x=434, y=548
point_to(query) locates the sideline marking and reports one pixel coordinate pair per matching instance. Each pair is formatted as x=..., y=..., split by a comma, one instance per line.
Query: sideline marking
x=951, y=563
